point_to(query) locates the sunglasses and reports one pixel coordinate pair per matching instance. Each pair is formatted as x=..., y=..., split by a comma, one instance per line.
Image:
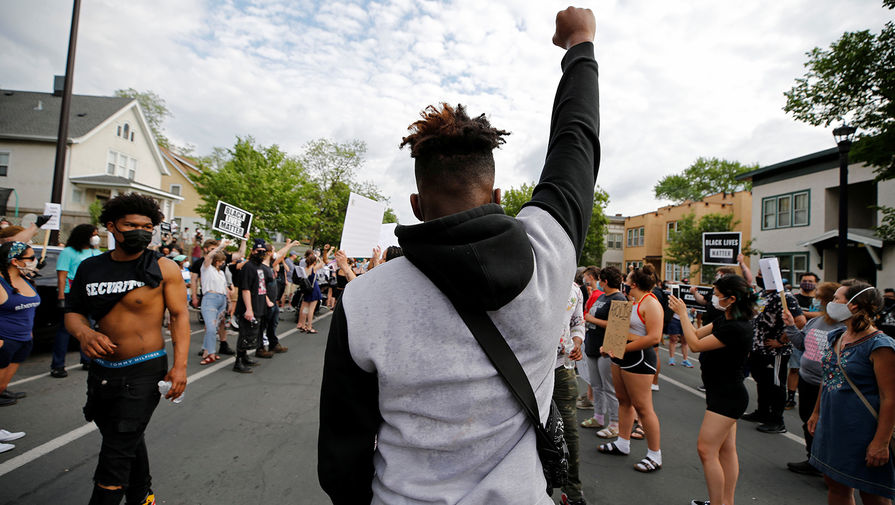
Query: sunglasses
x=26, y=258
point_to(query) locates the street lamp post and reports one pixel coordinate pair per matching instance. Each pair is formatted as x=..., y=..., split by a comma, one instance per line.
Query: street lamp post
x=844, y=136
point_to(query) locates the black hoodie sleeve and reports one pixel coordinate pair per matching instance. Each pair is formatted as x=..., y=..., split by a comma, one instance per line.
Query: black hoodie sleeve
x=349, y=421
x=566, y=188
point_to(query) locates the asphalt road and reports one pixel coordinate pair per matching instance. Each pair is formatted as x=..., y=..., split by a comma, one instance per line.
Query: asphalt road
x=241, y=439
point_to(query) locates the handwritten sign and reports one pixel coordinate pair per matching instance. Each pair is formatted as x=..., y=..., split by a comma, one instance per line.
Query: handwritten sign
x=618, y=326
x=54, y=210
x=363, y=224
x=721, y=248
x=231, y=220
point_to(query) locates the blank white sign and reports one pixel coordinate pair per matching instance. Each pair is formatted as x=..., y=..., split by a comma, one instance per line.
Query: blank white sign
x=363, y=223
x=770, y=272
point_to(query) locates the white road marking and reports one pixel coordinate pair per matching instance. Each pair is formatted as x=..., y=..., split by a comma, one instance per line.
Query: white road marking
x=71, y=436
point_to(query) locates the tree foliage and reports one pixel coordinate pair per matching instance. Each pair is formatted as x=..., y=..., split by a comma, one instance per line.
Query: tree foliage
x=685, y=245
x=854, y=81
x=513, y=199
x=704, y=177
x=334, y=168
x=154, y=108
x=264, y=181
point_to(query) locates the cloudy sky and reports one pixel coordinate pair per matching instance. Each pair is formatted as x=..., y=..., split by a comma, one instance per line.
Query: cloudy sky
x=678, y=80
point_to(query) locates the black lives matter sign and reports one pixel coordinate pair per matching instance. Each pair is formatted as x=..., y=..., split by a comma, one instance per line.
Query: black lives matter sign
x=721, y=248
x=682, y=291
x=231, y=220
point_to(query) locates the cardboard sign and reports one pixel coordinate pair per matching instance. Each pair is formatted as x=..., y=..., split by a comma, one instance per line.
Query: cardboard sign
x=363, y=223
x=618, y=326
x=55, y=211
x=690, y=300
x=231, y=220
x=721, y=248
x=770, y=272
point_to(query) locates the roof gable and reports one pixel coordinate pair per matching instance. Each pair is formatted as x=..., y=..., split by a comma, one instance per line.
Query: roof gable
x=33, y=115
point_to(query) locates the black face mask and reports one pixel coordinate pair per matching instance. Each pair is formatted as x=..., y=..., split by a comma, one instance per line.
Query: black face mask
x=134, y=241
x=258, y=257
x=759, y=281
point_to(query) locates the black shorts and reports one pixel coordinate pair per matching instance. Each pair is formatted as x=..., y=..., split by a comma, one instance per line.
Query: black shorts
x=121, y=401
x=14, y=351
x=728, y=400
x=641, y=362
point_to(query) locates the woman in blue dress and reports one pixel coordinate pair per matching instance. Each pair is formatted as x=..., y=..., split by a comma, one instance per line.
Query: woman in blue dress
x=851, y=443
x=311, y=298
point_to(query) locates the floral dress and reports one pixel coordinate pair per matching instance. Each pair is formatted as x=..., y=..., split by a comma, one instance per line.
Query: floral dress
x=846, y=427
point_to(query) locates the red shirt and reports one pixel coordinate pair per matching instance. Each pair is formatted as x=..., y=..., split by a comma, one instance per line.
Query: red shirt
x=593, y=297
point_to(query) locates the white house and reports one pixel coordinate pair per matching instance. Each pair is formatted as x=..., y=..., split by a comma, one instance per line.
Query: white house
x=111, y=150
x=615, y=235
x=795, y=205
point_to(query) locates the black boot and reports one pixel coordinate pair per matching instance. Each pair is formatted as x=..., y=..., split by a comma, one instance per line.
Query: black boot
x=225, y=348
x=103, y=496
x=249, y=361
x=240, y=365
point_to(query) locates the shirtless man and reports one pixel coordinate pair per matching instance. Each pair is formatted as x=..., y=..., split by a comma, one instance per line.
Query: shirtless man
x=127, y=291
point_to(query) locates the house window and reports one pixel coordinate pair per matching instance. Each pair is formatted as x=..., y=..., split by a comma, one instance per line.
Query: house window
x=4, y=164
x=792, y=265
x=127, y=130
x=630, y=237
x=670, y=229
x=633, y=264
x=642, y=236
x=77, y=195
x=676, y=272
x=132, y=136
x=119, y=131
x=122, y=165
x=175, y=189
x=112, y=163
x=613, y=240
x=786, y=211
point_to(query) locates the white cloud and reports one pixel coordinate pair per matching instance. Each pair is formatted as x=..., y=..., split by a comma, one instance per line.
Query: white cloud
x=678, y=80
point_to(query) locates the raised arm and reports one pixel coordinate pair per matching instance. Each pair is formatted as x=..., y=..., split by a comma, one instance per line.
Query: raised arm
x=209, y=258
x=566, y=187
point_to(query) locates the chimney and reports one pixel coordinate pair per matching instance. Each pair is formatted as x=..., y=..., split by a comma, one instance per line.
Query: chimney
x=58, y=85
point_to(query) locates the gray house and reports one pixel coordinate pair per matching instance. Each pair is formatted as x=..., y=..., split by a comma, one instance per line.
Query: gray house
x=111, y=150
x=795, y=204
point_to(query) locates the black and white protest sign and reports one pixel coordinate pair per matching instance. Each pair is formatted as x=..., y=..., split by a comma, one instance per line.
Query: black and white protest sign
x=231, y=220
x=165, y=227
x=690, y=299
x=721, y=248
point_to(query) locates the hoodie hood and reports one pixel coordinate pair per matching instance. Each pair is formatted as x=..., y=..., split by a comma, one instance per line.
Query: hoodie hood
x=480, y=258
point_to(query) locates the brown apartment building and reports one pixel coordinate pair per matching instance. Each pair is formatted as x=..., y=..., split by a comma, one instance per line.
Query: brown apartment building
x=646, y=235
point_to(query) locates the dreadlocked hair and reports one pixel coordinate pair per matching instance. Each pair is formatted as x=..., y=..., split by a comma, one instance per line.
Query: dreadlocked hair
x=447, y=141
x=131, y=203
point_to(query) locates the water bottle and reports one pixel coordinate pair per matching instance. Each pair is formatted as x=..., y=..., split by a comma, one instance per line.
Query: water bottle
x=566, y=352
x=165, y=386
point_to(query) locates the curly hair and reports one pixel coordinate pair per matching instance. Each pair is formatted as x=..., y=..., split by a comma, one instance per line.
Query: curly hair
x=612, y=277
x=79, y=238
x=447, y=141
x=131, y=203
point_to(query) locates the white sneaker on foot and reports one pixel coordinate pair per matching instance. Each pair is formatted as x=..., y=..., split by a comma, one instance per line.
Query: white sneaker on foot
x=6, y=447
x=6, y=436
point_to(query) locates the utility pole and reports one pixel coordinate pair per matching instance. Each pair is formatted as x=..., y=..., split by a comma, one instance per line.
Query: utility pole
x=62, y=136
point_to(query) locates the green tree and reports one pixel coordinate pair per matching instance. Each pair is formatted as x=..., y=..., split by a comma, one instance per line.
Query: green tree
x=704, y=177
x=264, y=181
x=334, y=169
x=595, y=241
x=854, y=80
x=154, y=108
x=685, y=245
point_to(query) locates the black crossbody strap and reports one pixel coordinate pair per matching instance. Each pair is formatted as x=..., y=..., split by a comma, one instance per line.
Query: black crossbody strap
x=503, y=359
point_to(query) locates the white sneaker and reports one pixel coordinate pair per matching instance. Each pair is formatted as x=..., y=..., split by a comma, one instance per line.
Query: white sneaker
x=654, y=387
x=6, y=447
x=6, y=436
x=233, y=322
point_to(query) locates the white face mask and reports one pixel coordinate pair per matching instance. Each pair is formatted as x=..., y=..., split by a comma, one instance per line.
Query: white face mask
x=840, y=311
x=94, y=241
x=29, y=269
x=716, y=302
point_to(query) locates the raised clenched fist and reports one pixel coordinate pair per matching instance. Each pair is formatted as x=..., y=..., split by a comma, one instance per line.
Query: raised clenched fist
x=574, y=26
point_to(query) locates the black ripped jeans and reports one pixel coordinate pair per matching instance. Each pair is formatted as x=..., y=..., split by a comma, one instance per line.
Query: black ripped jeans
x=121, y=401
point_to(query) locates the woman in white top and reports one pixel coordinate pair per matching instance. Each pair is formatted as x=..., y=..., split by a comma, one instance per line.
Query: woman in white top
x=214, y=299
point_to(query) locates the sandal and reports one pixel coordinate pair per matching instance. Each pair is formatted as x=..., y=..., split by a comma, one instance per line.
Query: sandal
x=312, y=330
x=207, y=360
x=647, y=465
x=608, y=432
x=612, y=449
x=590, y=422
x=637, y=433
